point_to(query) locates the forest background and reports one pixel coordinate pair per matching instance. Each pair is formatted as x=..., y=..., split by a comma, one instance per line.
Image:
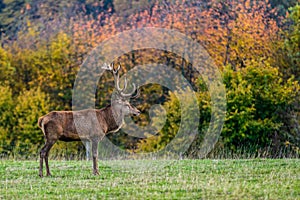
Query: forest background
x=255, y=45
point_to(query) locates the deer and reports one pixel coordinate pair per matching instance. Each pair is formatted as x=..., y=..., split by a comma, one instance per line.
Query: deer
x=91, y=124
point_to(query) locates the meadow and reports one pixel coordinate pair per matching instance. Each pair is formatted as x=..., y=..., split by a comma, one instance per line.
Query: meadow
x=183, y=179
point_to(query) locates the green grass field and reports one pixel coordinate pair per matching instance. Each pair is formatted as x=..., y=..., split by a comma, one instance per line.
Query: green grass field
x=185, y=179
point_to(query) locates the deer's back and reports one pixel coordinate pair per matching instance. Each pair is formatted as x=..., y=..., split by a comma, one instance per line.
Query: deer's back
x=71, y=125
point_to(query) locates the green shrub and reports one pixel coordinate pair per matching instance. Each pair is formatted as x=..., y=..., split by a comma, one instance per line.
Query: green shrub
x=7, y=121
x=31, y=104
x=256, y=97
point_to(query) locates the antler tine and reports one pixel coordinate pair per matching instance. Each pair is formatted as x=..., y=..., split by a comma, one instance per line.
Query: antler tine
x=125, y=84
x=117, y=81
x=117, y=78
x=117, y=70
x=131, y=93
x=117, y=84
x=137, y=93
x=107, y=67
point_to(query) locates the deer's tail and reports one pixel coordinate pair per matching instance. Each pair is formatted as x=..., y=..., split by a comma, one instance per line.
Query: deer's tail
x=40, y=122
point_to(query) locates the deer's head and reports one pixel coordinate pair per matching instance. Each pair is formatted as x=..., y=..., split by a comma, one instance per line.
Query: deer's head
x=121, y=103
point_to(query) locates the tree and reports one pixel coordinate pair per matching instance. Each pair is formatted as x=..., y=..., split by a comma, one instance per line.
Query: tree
x=11, y=14
x=238, y=31
x=7, y=122
x=256, y=97
x=31, y=104
x=6, y=68
x=291, y=45
x=282, y=6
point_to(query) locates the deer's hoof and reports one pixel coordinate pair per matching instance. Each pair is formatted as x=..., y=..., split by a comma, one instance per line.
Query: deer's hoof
x=96, y=173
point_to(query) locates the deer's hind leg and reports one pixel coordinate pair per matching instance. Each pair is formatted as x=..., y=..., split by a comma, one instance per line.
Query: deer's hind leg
x=51, y=132
x=46, y=157
x=44, y=153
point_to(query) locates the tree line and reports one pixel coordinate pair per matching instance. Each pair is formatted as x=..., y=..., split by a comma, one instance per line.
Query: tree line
x=254, y=44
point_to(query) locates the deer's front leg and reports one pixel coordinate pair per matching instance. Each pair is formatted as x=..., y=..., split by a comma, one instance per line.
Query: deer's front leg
x=95, y=156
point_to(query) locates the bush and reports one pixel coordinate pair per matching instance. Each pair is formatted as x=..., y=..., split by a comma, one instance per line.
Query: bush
x=256, y=97
x=31, y=104
x=7, y=121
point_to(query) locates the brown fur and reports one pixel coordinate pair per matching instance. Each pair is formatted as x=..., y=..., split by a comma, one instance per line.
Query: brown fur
x=91, y=125
x=60, y=124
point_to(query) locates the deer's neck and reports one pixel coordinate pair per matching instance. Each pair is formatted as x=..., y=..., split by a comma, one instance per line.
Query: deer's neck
x=118, y=116
x=114, y=119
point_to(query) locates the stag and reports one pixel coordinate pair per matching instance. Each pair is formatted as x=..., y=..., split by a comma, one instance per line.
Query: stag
x=91, y=124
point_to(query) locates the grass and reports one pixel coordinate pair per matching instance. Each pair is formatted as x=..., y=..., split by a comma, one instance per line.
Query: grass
x=184, y=179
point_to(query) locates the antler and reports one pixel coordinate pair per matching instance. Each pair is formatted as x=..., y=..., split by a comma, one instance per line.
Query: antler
x=117, y=82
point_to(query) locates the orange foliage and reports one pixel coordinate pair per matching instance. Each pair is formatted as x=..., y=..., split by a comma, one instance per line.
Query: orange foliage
x=233, y=32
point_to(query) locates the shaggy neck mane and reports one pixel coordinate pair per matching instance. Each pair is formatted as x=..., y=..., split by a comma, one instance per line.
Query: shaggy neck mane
x=113, y=119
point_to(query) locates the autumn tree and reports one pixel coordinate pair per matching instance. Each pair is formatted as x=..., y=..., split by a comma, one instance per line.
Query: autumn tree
x=7, y=123
x=291, y=43
x=30, y=105
x=245, y=39
x=239, y=31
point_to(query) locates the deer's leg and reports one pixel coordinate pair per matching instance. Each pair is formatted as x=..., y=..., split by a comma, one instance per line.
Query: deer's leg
x=95, y=156
x=41, y=161
x=44, y=155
